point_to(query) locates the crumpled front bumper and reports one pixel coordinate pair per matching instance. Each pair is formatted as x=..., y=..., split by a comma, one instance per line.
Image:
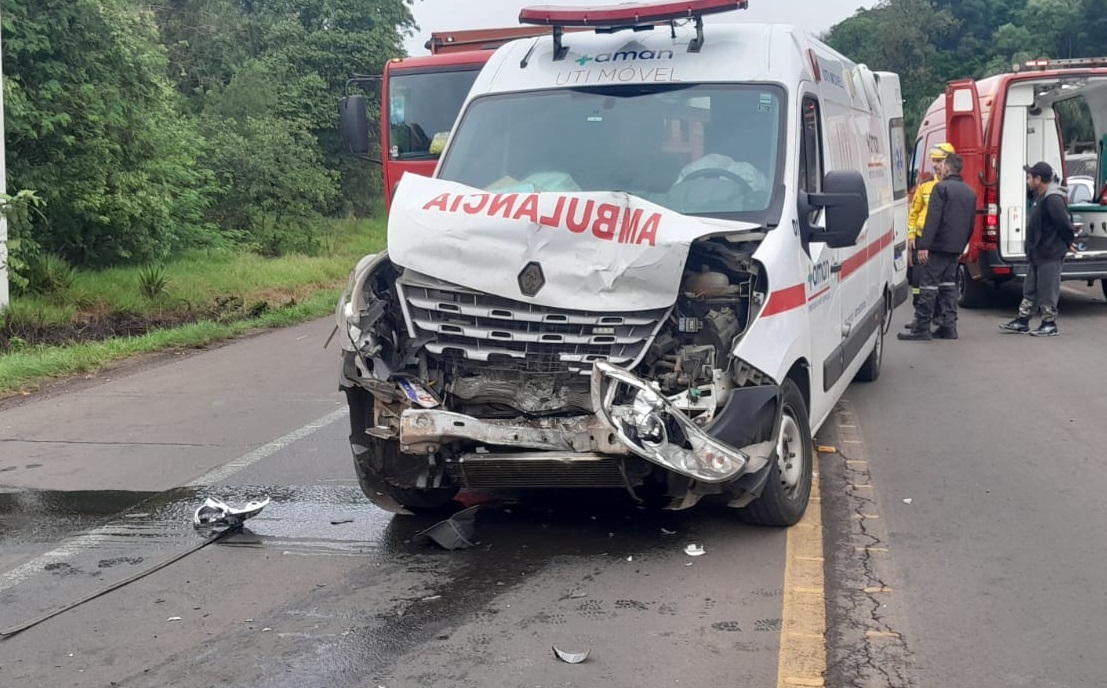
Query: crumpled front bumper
x=652, y=427
x=644, y=423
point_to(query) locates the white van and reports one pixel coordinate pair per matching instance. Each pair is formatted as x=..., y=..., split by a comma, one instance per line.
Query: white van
x=652, y=257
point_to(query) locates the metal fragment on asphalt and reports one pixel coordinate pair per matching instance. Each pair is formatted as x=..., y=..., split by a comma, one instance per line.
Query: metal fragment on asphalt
x=665, y=531
x=216, y=513
x=174, y=618
x=694, y=550
x=571, y=657
x=456, y=532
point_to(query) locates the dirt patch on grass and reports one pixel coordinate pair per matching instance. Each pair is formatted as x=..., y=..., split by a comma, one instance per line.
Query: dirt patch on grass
x=92, y=327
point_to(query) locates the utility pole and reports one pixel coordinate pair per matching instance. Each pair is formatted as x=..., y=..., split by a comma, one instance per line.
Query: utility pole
x=4, y=293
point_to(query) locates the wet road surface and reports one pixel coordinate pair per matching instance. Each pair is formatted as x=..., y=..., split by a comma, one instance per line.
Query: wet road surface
x=323, y=589
x=960, y=543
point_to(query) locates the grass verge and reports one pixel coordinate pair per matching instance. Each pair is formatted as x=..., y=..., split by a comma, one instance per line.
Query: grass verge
x=22, y=371
x=107, y=316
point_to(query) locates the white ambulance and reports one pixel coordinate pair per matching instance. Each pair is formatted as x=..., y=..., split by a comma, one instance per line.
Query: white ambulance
x=652, y=257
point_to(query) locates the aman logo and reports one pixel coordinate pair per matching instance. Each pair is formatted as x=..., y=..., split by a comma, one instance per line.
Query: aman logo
x=626, y=56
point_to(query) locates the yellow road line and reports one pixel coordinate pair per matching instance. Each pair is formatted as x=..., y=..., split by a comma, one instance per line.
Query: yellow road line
x=802, y=660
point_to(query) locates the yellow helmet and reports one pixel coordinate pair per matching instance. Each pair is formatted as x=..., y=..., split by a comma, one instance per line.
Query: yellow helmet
x=940, y=151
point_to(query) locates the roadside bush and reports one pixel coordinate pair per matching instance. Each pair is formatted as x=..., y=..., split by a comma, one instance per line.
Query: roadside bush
x=48, y=274
x=152, y=281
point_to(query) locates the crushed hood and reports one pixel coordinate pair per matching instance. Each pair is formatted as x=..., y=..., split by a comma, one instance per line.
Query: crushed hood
x=606, y=251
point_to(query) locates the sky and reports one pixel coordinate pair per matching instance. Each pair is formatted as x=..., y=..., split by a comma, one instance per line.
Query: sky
x=445, y=15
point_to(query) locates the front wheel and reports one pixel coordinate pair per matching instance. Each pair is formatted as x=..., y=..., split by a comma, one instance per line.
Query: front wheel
x=1103, y=286
x=384, y=453
x=788, y=488
x=379, y=464
x=970, y=293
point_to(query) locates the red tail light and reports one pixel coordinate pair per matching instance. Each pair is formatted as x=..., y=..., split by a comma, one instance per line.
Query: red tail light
x=991, y=216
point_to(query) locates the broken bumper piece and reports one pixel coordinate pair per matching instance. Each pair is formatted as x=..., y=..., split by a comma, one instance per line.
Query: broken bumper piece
x=631, y=417
x=656, y=430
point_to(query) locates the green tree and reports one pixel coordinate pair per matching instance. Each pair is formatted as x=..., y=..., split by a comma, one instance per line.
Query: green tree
x=900, y=36
x=288, y=59
x=95, y=129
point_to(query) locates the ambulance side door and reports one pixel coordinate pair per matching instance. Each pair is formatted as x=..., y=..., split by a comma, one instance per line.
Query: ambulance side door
x=824, y=305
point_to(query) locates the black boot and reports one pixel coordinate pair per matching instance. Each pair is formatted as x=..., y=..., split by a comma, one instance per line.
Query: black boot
x=947, y=332
x=1018, y=326
x=1046, y=329
x=916, y=335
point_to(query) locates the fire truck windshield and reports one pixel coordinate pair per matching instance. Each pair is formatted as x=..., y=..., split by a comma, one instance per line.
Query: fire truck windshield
x=422, y=106
x=706, y=149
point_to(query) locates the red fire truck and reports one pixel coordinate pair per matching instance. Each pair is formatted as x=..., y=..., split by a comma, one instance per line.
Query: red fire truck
x=999, y=125
x=421, y=97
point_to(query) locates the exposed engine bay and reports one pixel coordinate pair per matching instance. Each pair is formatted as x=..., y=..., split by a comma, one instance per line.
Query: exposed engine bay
x=460, y=388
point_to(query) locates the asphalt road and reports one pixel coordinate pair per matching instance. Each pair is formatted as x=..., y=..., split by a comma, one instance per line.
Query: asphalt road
x=987, y=575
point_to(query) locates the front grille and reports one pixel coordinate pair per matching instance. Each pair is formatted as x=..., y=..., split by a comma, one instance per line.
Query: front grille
x=463, y=325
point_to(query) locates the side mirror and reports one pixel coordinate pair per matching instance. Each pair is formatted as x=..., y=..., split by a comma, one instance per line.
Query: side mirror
x=847, y=209
x=355, y=124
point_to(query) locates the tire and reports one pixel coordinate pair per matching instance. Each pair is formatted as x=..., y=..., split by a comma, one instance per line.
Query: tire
x=378, y=462
x=971, y=293
x=1103, y=286
x=870, y=369
x=383, y=452
x=788, y=488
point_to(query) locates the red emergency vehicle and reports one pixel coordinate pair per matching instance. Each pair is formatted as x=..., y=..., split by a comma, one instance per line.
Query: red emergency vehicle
x=420, y=99
x=998, y=125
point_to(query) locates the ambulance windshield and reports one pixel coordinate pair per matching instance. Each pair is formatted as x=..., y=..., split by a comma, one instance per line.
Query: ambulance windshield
x=706, y=149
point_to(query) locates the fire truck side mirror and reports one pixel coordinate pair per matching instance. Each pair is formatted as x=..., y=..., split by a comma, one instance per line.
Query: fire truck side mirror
x=355, y=124
x=846, y=202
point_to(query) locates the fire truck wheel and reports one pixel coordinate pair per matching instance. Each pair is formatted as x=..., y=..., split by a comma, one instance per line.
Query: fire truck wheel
x=1103, y=285
x=970, y=293
x=784, y=498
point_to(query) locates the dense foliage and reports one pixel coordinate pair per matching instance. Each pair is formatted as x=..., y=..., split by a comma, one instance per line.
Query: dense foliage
x=150, y=126
x=930, y=42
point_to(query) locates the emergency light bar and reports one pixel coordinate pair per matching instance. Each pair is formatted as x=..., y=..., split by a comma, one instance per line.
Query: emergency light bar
x=634, y=16
x=630, y=14
x=1066, y=63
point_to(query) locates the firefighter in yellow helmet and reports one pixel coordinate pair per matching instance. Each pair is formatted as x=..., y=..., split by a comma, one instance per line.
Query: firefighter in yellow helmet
x=916, y=216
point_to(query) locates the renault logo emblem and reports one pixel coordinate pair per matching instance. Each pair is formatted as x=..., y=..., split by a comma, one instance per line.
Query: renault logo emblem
x=531, y=279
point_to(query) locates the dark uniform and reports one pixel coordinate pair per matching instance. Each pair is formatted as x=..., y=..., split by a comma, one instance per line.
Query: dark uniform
x=949, y=223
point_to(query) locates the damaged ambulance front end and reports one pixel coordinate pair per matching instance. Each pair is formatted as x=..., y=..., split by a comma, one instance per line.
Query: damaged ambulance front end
x=529, y=327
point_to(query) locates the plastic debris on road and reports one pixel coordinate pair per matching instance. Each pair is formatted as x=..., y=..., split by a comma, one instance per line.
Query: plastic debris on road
x=456, y=532
x=823, y=449
x=908, y=500
x=214, y=513
x=695, y=550
x=665, y=531
x=571, y=657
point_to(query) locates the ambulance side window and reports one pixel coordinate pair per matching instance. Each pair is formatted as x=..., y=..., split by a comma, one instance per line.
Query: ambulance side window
x=811, y=162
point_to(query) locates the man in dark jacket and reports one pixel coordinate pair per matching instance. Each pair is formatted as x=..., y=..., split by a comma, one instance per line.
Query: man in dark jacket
x=1049, y=234
x=949, y=223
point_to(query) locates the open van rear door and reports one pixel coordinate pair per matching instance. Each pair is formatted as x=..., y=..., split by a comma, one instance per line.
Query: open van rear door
x=965, y=127
x=965, y=131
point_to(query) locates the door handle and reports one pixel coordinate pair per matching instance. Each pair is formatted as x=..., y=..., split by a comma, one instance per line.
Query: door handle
x=837, y=267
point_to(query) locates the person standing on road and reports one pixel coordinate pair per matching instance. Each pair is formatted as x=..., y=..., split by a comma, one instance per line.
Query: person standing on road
x=950, y=216
x=916, y=218
x=1049, y=236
